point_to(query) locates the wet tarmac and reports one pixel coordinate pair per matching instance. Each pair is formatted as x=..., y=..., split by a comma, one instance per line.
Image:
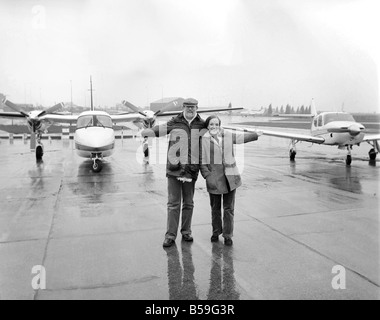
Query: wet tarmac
x=99, y=236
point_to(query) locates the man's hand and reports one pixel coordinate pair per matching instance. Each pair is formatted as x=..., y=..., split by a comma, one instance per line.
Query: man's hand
x=259, y=132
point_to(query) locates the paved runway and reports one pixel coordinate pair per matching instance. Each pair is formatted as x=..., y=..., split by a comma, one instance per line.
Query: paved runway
x=99, y=236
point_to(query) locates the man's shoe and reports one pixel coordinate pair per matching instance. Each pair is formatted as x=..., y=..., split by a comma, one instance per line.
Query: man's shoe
x=168, y=242
x=214, y=238
x=228, y=242
x=187, y=237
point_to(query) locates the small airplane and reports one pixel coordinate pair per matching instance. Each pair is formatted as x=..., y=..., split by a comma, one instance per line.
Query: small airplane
x=328, y=128
x=94, y=134
x=250, y=112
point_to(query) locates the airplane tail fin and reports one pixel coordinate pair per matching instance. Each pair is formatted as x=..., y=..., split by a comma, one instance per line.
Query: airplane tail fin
x=92, y=103
x=175, y=105
x=313, y=109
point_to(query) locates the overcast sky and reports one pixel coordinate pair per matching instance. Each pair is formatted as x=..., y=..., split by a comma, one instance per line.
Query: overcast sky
x=251, y=53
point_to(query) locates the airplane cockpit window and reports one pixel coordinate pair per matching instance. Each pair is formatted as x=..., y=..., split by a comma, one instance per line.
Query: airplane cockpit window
x=320, y=123
x=84, y=121
x=104, y=121
x=330, y=117
x=94, y=121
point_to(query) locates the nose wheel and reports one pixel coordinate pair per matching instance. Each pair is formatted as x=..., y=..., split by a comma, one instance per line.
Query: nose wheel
x=39, y=147
x=97, y=164
x=39, y=152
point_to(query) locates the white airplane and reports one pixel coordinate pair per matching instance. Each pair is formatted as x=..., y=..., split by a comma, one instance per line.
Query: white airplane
x=329, y=128
x=94, y=134
x=250, y=112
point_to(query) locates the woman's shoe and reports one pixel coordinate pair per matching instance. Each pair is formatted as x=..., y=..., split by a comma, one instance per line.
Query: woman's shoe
x=187, y=237
x=228, y=242
x=214, y=238
x=168, y=243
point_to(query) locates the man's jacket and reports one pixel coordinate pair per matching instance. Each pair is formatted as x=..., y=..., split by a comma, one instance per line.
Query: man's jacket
x=183, y=155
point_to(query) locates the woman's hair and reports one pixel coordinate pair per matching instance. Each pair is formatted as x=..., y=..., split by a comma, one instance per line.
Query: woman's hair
x=207, y=122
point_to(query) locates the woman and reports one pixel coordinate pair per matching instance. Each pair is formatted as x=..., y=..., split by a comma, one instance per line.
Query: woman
x=222, y=176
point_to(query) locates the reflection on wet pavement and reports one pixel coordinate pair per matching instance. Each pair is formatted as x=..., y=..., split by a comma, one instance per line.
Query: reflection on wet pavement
x=348, y=182
x=222, y=284
x=222, y=279
x=181, y=278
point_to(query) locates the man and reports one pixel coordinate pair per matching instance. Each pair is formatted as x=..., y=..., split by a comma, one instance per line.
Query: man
x=182, y=167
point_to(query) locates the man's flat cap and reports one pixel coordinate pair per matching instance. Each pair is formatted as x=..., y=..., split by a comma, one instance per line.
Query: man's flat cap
x=190, y=102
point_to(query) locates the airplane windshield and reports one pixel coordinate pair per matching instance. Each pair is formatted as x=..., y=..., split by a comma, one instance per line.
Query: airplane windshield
x=94, y=121
x=330, y=117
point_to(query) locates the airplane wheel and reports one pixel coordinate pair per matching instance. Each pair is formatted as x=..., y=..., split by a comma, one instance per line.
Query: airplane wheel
x=39, y=152
x=292, y=154
x=372, y=154
x=97, y=166
x=348, y=160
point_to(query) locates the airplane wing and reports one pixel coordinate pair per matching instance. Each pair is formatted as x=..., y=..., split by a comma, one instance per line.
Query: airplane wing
x=11, y=115
x=72, y=119
x=174, y=113
x=126, y=117
x=59, y=118
x=278, y=134
x=371, y=137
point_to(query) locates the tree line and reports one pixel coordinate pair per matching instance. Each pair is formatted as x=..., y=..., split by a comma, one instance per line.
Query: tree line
x=288, y=109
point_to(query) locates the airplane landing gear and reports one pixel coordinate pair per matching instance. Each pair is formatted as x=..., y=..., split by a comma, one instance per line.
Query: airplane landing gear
x=39, y=148
x=292, y=154
x=372, y=154
x=374, y=151
x=97, y=164
x=293, y=150
x=349, y=158
x=39, y=152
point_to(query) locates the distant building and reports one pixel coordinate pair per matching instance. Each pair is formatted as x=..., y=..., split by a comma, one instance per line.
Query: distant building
x=170, y=104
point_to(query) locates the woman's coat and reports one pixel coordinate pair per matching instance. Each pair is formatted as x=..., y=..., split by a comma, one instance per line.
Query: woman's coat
x=218, y=164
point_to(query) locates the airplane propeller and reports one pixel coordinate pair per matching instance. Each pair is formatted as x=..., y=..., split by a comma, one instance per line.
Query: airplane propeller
x=30, y=115
x=14, y=107
x=33, y=118
x=133, y=107
x=149, y=118
x=149, y=121
x=51, y=109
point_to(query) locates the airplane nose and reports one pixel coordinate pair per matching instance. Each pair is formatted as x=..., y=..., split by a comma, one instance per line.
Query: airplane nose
x=355, y=129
